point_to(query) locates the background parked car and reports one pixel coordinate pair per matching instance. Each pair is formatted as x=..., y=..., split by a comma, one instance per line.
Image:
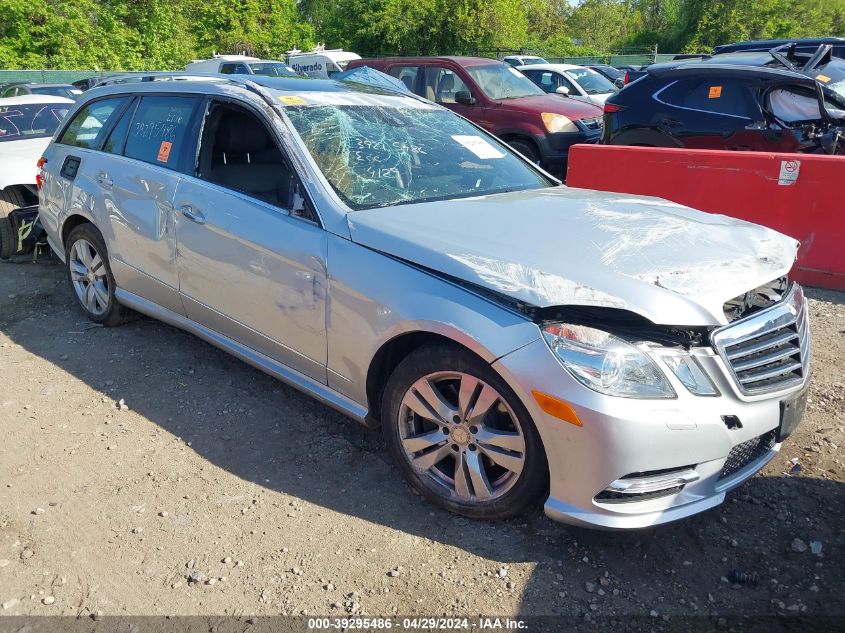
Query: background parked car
x=616, y=76
x=735, y=101
x=806, y=45
x=576, y=82
x=69, y=91
x=26, y=125
x=241, y=65
x=523, y=60
x=502, y=100
x=320, y=63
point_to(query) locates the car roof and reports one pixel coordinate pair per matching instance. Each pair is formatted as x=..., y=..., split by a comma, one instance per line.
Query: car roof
x=756, y=62
x=560, y=67
x=35, y=84
x=773, y=43
x=33, y=99
x=225, y=85
x=461, y=61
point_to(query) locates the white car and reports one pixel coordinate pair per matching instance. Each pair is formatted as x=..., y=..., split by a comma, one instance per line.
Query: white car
x=27, y=123
x=241, y=65
x=320, y=63
x=577, y=82
x=523, y=60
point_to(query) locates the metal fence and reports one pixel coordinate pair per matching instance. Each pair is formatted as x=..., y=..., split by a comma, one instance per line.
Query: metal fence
x=48, y=76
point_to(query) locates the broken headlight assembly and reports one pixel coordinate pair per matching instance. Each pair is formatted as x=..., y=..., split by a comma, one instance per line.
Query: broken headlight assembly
x=612, y=366
x=605, y=363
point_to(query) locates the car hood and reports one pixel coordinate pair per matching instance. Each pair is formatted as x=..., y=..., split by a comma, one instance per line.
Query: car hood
x=555, y=104
x=564, y=246
x=18, y=160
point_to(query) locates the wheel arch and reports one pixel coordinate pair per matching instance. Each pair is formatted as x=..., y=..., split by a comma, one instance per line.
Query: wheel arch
x=394, y=350
x=70, y=223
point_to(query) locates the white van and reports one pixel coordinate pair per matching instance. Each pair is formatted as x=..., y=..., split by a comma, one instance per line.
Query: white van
x=320, y=63
x=241, y=65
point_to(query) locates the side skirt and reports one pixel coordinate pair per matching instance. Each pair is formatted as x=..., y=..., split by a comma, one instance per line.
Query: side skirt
x=303, y=383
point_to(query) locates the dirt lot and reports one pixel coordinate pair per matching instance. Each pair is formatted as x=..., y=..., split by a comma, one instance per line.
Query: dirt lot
x=276, y=504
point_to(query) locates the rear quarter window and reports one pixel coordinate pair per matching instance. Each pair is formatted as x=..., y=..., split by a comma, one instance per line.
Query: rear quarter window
x=159, y=129
x=90, y=123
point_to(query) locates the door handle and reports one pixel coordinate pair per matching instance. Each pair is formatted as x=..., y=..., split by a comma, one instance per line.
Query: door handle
x=192, y=214
x=104, y=180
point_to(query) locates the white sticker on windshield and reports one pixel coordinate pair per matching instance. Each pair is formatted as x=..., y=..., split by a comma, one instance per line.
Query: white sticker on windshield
x=478, y=146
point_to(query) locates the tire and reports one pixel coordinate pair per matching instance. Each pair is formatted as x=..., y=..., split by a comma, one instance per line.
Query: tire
x=456, y=471
x=90, y=276
x=8, y=243
x=526, y=148
x=11, y=198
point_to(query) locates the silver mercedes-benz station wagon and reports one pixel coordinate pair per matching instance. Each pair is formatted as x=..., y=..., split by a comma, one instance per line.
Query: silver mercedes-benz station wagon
x=631, y=358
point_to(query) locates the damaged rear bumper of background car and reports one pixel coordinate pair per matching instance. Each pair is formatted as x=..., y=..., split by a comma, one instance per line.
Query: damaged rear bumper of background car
x=626, y=463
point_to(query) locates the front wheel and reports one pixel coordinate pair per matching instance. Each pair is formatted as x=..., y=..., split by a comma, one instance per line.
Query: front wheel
x=526, y=148
x=460, y=435
x=90, y=276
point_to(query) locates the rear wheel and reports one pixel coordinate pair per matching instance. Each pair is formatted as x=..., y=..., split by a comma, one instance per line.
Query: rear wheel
x=8, y=243
x=460, y=435
x=12, y=198
x=90, y=276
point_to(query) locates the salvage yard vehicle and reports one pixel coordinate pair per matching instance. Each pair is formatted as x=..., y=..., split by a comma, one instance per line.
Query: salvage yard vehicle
x=627, y=359
x=503, y=101
x=241, y=65
x=523, y=60
x=774, y=101
x=320, y=63
x=804, y=45
x=26, y=125
x=575, y=82
x=68, y=91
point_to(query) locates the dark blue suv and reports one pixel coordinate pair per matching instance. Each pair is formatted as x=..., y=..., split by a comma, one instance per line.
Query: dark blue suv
x=780, y=101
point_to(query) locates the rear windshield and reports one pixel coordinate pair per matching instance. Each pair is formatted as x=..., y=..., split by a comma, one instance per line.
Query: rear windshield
x=381, y=156
x=500, y=81
x=31, y=120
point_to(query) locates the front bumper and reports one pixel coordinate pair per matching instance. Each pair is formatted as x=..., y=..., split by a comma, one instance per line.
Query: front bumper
x=554, y=148
x=624, y=438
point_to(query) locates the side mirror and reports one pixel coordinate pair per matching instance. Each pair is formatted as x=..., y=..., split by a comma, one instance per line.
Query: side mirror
x=562, y=90
x=619, y=82
x=464, y=97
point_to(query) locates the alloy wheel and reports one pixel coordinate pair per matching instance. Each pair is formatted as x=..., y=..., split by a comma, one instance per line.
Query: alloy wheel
x=461, y=437
x=89, y=278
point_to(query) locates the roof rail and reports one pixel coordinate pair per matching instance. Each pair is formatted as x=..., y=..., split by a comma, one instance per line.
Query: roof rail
x=140, y=77
x=778, y=54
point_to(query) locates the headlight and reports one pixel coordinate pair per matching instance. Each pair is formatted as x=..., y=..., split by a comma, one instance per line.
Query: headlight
x=690, y=373
x=606, y=363
x=558, y=123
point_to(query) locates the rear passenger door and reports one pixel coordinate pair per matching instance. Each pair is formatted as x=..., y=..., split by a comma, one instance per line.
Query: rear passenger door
x=138, y=172
x=249, y=268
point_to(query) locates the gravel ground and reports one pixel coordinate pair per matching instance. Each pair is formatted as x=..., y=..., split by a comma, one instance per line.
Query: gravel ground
x=144, y=472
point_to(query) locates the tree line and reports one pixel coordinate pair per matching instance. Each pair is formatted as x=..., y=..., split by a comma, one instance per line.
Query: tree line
x=165, y=34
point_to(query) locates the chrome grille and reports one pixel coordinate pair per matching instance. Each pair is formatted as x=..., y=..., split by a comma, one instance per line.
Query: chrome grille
x=769, y=350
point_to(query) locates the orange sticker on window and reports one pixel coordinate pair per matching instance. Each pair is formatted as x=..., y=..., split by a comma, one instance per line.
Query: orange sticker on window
x=164, y=151
x=823, y=78
x=715, y=92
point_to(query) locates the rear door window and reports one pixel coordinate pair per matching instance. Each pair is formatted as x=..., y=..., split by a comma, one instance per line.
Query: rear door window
x=159, y=129
x=714, y=95
x=90, y=123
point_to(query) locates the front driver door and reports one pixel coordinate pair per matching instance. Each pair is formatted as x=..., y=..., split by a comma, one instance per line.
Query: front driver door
x=248, y=269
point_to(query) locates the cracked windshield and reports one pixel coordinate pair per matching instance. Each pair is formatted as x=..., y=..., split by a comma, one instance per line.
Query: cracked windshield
x=376, y=155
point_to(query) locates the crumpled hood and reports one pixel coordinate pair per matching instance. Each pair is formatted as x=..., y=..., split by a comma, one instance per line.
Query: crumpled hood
x=18, y=160
x=564, y=246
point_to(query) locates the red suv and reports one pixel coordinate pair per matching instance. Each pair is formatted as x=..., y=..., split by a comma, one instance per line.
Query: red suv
x=502, y=100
